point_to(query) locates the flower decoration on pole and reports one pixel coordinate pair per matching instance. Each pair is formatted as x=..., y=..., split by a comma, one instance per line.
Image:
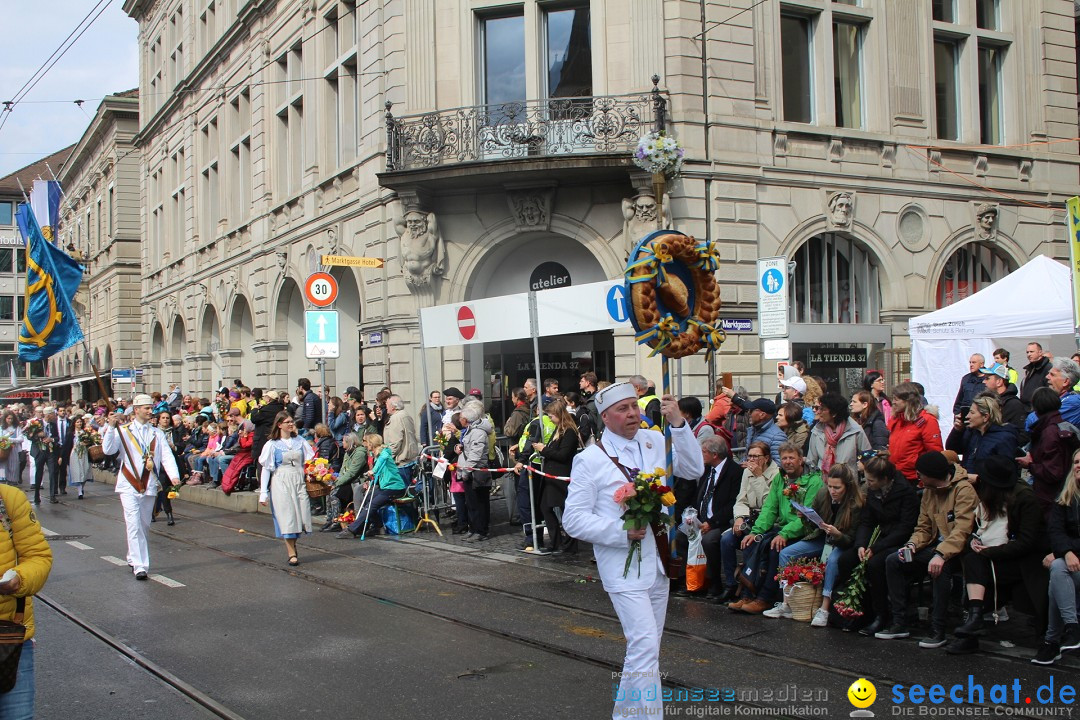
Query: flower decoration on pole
x=658, y=152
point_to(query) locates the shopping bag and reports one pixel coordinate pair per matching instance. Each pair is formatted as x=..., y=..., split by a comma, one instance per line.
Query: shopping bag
x=398, y=519
x=695, y=564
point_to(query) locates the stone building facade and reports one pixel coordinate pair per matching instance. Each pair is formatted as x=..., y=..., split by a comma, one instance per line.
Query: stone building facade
x=100, y=226
x=901, y=153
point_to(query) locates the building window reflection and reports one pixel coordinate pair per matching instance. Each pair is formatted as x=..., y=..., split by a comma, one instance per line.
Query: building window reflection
x=970, y=269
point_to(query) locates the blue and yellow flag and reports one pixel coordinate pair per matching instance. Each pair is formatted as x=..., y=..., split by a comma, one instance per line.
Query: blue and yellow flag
x=52, y=277
x=45, y=202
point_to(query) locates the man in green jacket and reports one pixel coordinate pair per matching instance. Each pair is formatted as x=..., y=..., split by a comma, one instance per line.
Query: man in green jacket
x=779, y=517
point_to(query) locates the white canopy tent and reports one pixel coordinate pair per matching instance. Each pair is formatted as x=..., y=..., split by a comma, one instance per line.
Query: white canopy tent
x=1031, y=303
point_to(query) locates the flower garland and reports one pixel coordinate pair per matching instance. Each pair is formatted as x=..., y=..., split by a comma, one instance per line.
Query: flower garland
x=644, y=499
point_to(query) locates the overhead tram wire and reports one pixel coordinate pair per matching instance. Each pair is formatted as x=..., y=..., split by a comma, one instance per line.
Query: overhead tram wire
x=50, y=62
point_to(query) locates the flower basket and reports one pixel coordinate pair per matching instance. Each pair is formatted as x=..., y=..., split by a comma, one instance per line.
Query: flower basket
x=316, y=489
x=5, y=453
x=95, y=453
x=347, y=516
x=804, y=599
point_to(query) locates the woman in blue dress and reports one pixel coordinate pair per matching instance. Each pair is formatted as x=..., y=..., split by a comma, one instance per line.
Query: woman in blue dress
x=282, y=483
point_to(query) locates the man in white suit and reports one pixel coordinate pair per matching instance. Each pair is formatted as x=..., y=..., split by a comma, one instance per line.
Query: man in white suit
x=145, y=462
x=591, y=514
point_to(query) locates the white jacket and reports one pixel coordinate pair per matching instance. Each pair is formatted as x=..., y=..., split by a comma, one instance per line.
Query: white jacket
x=592, y=515
x=131, y=455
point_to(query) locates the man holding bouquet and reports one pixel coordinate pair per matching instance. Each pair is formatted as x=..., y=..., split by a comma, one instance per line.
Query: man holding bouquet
x=636, y=583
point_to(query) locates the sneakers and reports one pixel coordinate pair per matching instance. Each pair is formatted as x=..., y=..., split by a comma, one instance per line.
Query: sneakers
x=935, y=639
x=345, y=535
x=821, y=618
x=1070, y=639
x=893, y=632
x=779, y=610
x=1048, y=654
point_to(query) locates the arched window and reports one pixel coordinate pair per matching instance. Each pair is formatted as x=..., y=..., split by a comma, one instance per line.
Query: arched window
x=835, y=280
x=971, y=268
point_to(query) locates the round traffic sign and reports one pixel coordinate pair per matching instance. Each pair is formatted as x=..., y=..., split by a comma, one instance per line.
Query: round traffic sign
x=321, y=289
x=466, y=322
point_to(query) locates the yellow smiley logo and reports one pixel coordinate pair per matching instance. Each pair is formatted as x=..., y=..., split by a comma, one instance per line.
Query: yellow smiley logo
x=862, y=693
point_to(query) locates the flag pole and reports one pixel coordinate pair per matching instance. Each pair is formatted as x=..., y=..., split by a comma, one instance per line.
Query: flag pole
x=97, y=375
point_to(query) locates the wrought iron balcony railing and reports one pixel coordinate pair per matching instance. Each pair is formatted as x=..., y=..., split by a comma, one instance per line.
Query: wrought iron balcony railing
x=536, y=128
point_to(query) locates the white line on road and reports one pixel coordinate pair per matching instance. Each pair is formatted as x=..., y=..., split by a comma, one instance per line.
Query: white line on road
x=113, y=560
x=48, y=533
x=78, y=545
x=167, y=582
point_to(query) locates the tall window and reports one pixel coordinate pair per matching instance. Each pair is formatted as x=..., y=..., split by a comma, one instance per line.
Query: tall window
x=290, y=122
x=835, y=281
x=342, y=84
x=504, y=59
x=110, y=210
x=7, y=213
x=568, y=52
x=990, y=58
x=239, y=173
x=970, y=44
x=796, y=61
x=179, y=206
x=209, y=190
x=970, y=269
x=847, y=74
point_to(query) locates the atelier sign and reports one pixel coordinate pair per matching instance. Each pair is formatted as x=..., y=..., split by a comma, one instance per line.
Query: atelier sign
x=549, y=275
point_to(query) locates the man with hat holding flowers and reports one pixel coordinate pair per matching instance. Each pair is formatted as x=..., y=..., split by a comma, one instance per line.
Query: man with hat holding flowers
x=146, y=463
x=639, y=591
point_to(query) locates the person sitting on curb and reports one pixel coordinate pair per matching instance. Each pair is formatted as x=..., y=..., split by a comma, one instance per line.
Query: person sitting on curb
x=946, y=519
x=1063, y=529
x=758, y=475
x=1008, y=543
x=776, y=526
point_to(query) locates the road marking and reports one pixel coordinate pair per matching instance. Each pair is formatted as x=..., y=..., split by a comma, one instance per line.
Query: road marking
x=113, y=560
x=48, y=533
x=167, y=582
x=78, y=545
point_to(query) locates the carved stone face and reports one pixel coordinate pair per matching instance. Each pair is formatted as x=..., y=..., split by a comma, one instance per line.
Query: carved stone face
x=840, y=209
x=530, y=211
x=987, y=219
x=645, y=208
x=417, y=224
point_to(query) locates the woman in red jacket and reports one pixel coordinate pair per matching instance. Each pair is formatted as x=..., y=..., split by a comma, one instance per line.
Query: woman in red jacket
x=912, y=430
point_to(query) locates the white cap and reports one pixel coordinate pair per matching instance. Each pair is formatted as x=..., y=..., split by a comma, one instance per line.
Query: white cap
x=796, y=383
x=613, y=394
x=48, y=409
x=142, y=400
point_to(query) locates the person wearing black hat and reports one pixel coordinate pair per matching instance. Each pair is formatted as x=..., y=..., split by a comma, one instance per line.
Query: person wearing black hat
x=452, y=398
x=1006, y=549
x=762, y=425
x=946, y=519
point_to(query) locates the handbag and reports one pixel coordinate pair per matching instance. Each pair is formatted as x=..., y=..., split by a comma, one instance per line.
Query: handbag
x=12, y=632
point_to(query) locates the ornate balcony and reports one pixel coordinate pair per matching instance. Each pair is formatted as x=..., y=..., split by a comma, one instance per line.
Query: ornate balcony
x=551, y=133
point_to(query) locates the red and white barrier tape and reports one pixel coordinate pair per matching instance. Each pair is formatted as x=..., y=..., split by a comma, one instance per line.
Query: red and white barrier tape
x=534, y=471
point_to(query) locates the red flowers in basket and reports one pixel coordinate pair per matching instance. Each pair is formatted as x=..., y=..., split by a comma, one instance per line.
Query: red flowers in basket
x=806, y=570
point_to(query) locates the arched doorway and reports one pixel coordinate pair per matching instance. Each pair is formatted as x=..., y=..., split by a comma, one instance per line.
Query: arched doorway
x=108, y=358
x=210, y=341
x=289, y=326
x=347, y=370
x=834, y=307
x=509, y=268
x=177, y=350
x=969, y=269
x=242, y=337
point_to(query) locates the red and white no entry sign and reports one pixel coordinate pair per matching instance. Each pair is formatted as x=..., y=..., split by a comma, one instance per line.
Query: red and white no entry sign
x=466, y=322
x=321, y=289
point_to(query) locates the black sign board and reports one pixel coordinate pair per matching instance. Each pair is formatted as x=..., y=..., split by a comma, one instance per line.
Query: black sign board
x=836, y=358
x=549, y=275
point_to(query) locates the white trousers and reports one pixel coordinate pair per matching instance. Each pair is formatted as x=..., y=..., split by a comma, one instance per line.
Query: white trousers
x=641, y=613
x=138, y=509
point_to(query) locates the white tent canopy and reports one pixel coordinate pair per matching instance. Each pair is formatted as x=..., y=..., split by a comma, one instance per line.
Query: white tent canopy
x=1035, y=301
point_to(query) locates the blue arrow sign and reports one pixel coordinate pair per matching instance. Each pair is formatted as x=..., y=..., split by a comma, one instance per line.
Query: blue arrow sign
x=772, y=280
x=321, y=333
x=616, y=304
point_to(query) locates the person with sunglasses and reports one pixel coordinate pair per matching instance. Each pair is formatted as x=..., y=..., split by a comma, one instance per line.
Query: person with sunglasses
x=759, y=471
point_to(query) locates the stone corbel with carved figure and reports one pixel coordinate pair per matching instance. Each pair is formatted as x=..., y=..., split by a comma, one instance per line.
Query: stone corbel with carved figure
x=641, y=216
x=840, y=209
x=422, y=250
x=986, y=221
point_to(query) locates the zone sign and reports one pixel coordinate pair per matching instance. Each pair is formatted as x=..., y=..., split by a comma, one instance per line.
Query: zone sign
x=321, y=289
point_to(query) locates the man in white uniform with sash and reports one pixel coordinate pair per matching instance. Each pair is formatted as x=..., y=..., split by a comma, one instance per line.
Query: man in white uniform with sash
x=591, y=514
x=146, y=463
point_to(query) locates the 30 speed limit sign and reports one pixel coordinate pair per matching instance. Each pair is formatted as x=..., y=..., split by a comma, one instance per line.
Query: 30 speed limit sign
x=321, y=289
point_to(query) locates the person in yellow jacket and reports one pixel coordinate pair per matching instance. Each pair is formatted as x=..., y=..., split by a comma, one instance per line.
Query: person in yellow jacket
x=25, y=563
x=647, y=402
x=529, y=503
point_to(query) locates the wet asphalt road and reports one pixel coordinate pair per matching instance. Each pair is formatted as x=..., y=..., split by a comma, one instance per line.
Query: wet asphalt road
x=421, y=628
